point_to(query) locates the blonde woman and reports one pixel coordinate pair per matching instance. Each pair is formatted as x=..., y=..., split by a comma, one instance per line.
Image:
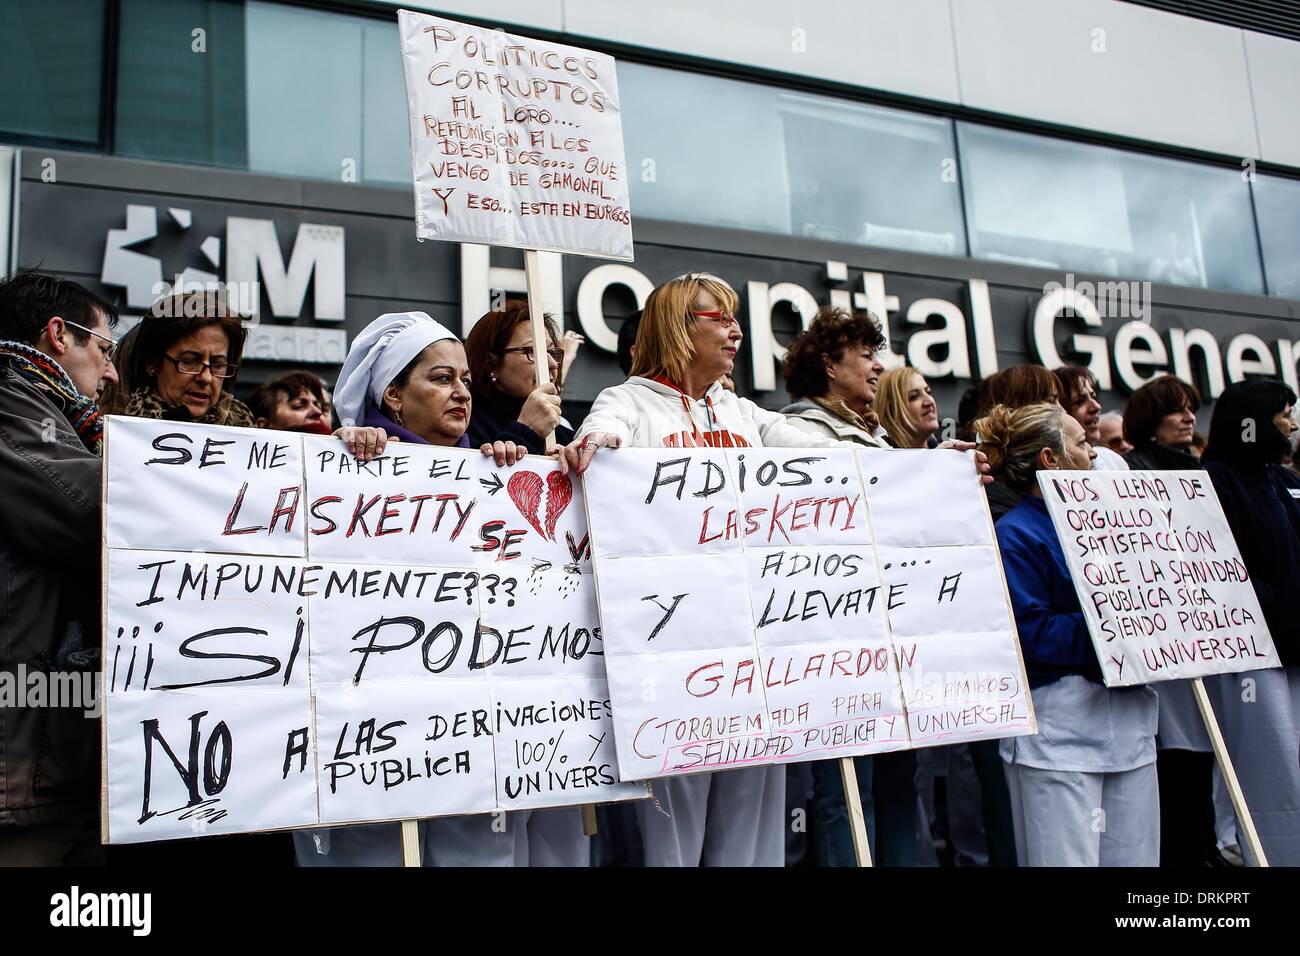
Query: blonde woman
x=906, y=408
x=686, y=345
x=1093, y=758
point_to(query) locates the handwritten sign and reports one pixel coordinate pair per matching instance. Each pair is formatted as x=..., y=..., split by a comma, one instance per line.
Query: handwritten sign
x=515, y=141
x=1161, y=581
x=752, y=615
x=343, y=642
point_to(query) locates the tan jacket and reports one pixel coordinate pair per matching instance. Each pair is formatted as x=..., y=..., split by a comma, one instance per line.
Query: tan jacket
x=809, y=417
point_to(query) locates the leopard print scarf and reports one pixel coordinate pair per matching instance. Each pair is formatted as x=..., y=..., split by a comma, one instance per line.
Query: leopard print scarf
x=228, y=410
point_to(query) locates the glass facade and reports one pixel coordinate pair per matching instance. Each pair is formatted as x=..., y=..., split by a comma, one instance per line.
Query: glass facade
x=720, y=152
x=1072, y=206
x=181, y=82
x=1277, y=204
x=306, y=92
x=51, y=70
x=326, y=96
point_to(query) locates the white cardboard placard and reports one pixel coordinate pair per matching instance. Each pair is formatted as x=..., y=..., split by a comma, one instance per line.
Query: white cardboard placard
x=444, y=657
x=747, y=616
x=177, y=486
x=515, y=141
x=1158, y=573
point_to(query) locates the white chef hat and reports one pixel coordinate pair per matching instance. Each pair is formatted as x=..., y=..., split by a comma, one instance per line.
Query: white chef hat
x=378, y=355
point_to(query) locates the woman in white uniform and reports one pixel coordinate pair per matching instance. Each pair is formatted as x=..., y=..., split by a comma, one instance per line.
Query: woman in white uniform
x=1083, y=789
x=686, y=343
x=408, y=375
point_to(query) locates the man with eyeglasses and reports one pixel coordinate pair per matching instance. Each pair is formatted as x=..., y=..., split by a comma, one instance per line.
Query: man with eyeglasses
x=56, y=357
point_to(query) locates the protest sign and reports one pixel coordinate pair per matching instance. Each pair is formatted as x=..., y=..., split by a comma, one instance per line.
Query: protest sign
x=515, y=141
x=1159, y=576
x=752, y=615
x=410, y=637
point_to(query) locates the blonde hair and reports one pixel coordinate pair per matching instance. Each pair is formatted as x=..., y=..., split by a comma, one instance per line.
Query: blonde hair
x=663, y=341
x=1012, y=438
x=890, y=406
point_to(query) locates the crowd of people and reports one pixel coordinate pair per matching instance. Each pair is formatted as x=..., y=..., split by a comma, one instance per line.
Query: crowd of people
x=1114, y=777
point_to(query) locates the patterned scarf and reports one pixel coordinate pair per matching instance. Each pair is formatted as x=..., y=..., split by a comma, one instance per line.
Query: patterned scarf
x=48, y=375
x=228, y=410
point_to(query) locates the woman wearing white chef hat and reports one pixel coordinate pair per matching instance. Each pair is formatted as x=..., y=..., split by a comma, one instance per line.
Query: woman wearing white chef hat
x=408, y=375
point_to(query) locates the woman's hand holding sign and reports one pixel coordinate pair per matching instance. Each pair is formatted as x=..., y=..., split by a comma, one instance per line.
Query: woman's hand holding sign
x=579, y=453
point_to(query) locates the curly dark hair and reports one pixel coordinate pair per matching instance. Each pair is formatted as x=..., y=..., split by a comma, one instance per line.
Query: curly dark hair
x=831, y=333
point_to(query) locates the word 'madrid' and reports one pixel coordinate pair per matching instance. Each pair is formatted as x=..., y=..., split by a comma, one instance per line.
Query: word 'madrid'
x=768, y=605
x=293, y=638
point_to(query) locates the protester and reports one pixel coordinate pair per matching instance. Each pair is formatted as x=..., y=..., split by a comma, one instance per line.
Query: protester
x=910, y=418
x=1078, y=389
x=179, y=364
x=1083, y=789
x=1015, y=387
x=176, y=363
x=831, y=372
x=509, y=406
x=1019, y=385
x=1110, y=430
x=293, y=402
x=627, y=342
x=906, y=409
x=56, y=351
x=1160, y=421
x=687, y=340
x=408, y=376
x=1196, y=447
x=1250, y=432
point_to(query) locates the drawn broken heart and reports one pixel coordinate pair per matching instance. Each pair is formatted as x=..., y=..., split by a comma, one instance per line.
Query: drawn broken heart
x=525, y=490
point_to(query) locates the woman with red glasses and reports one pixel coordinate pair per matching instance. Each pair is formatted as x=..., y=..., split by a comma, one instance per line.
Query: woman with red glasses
x=686, y=344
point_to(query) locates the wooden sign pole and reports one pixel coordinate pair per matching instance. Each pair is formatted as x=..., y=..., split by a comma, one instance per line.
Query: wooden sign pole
x=1229, y=774
x=536, y=316
x=857, y=822
x=410, y=843
x=542, y=375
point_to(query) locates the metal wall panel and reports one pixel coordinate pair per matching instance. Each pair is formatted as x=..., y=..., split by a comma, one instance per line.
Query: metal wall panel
x=1108, y=66
x=1275, y=81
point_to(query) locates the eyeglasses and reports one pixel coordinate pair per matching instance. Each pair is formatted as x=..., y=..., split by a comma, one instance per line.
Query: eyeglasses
x=556, y=353
x=188, y=366
x=112, y=343
x=99, y=335
x=725, y=318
